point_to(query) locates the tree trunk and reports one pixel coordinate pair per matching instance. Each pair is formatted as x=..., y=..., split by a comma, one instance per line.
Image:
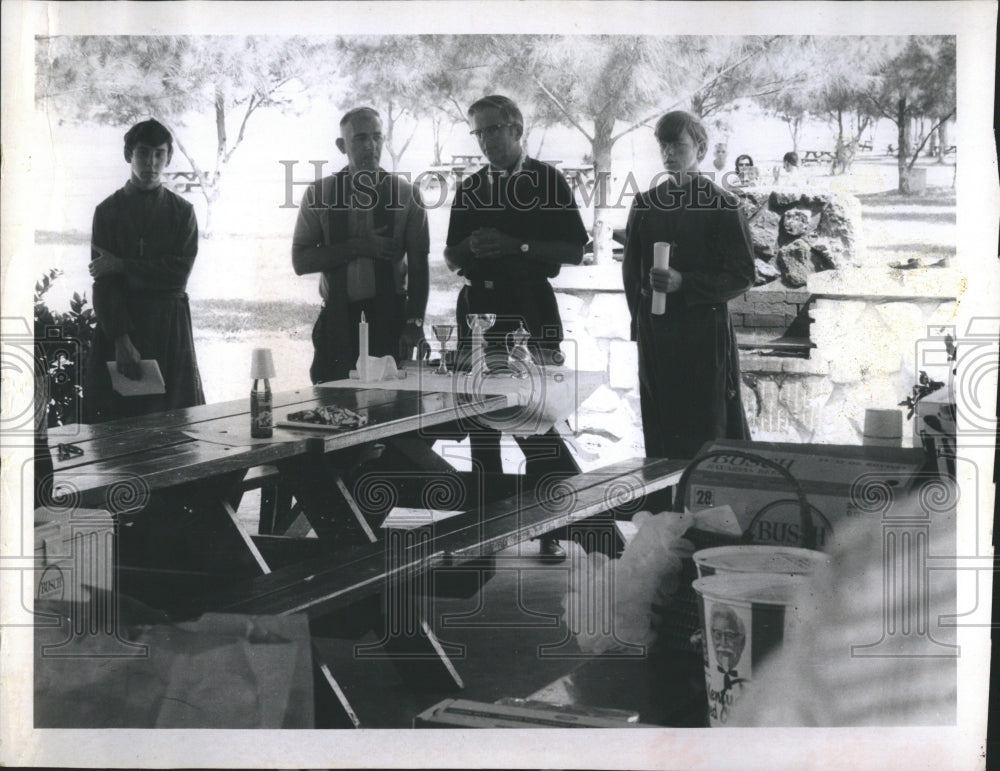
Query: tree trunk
x=603, y=205
x=903, y=153
x=942, y=142
x=436, y=128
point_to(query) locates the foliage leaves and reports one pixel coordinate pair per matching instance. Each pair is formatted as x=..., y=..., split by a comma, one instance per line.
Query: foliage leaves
x=63, y=340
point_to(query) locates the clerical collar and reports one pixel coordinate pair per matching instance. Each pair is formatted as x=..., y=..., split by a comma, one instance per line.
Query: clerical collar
x=516, y=169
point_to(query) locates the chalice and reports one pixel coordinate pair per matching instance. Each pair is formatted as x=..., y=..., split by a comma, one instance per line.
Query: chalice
x=443, y=334
x=478, y=324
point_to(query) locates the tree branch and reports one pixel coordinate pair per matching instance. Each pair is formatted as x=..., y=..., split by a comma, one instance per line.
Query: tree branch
x=916, y=153
x=559, y=106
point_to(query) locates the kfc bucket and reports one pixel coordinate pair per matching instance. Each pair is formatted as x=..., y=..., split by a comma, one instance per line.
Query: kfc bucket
x=781, y=560
x=743, y=618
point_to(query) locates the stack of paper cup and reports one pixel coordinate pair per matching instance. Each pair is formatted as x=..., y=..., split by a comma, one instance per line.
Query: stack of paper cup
x=779, y=560
x=883, y=428
x=744, y=617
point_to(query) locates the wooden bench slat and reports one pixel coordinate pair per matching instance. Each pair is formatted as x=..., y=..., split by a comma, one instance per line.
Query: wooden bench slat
x=317, y=587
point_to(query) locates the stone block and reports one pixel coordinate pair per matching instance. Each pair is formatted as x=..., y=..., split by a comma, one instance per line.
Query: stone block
x=803, y=398
x=779, y=307
x=769, y=421
x=586, y=354
x=811, y=366
x=833, y=422
x=775, y=320
x=759, y=364
x=571, y=306
x=623, y=364
x=741, y=303
x=608, y=316
x=613, y=425
x=604, y=399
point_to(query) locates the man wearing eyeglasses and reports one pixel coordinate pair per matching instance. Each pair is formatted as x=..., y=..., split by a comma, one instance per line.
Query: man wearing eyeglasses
x=365, y=231
x=513, y=224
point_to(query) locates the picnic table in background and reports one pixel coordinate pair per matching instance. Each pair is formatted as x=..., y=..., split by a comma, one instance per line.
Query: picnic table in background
x=811, y=157
x=186, y=181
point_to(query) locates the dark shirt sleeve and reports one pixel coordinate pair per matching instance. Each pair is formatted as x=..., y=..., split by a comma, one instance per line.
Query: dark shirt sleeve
x=417, y=241
x=632, y=264
x=109, y=291
x=170, y=270
x=729, y=238
x=461, y=220
x=566, y=218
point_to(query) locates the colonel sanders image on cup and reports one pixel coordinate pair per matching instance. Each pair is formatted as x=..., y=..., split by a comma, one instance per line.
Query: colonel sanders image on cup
x=744, y=618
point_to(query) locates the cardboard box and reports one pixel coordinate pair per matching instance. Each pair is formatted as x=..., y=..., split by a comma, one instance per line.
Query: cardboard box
x=73, y=550
x=840, y=482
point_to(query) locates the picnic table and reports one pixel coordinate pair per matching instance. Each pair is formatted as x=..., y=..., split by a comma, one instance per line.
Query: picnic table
x=174, y=481
x=466, y=160
x=811, y=157
x=186, y=180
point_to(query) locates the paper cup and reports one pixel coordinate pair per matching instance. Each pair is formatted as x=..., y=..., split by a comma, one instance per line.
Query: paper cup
x=883, y=428
x=261, y=364
x=743, y=619
x=781, y=560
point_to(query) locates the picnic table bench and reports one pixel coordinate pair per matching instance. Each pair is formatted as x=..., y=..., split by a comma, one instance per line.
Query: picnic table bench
x=401, y=574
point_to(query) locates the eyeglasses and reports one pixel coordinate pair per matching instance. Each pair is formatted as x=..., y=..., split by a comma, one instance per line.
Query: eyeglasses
x=489, y=131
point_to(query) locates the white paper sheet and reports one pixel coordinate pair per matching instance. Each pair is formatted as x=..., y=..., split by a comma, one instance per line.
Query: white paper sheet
x=151, y=382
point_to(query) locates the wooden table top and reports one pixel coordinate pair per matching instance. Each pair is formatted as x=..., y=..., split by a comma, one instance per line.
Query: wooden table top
x=171, y=448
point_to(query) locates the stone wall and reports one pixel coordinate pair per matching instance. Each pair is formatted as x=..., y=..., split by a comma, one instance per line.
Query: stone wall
x=866, y=327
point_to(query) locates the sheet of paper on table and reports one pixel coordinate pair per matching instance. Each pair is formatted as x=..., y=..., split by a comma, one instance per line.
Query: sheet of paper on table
x=151, y=381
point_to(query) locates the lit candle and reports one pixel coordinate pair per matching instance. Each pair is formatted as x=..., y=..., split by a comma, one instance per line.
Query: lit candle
x=661, y=259
x=363, y=348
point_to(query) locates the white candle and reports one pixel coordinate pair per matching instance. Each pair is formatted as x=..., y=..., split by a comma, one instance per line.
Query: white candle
x=661, y=259
x=363, y=348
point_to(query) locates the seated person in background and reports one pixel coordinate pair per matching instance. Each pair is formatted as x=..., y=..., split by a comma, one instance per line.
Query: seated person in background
x=365, y=231
x=143, y=245
x=745, y=169
x=789, y=170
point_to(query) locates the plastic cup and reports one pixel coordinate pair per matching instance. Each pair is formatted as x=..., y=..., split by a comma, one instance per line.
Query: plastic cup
x=743, y=619
x=780, y=560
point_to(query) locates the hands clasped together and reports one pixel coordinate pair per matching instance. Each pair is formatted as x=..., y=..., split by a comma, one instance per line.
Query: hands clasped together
x=375, y=245
x=490, y=243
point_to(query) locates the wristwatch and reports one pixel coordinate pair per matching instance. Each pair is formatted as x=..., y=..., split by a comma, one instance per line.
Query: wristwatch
x=417, y=322
x=524, y=248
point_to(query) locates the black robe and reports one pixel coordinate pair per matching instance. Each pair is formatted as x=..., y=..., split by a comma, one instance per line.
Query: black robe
x=155, y=232
x=689, y=376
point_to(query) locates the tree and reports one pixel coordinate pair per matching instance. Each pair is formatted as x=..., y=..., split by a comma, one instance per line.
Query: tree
x=608, y=86
x=844, y=69
x=119, y=80
x=918, y=82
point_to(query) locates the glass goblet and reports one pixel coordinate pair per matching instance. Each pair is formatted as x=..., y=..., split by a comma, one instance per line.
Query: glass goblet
x=443, y=334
